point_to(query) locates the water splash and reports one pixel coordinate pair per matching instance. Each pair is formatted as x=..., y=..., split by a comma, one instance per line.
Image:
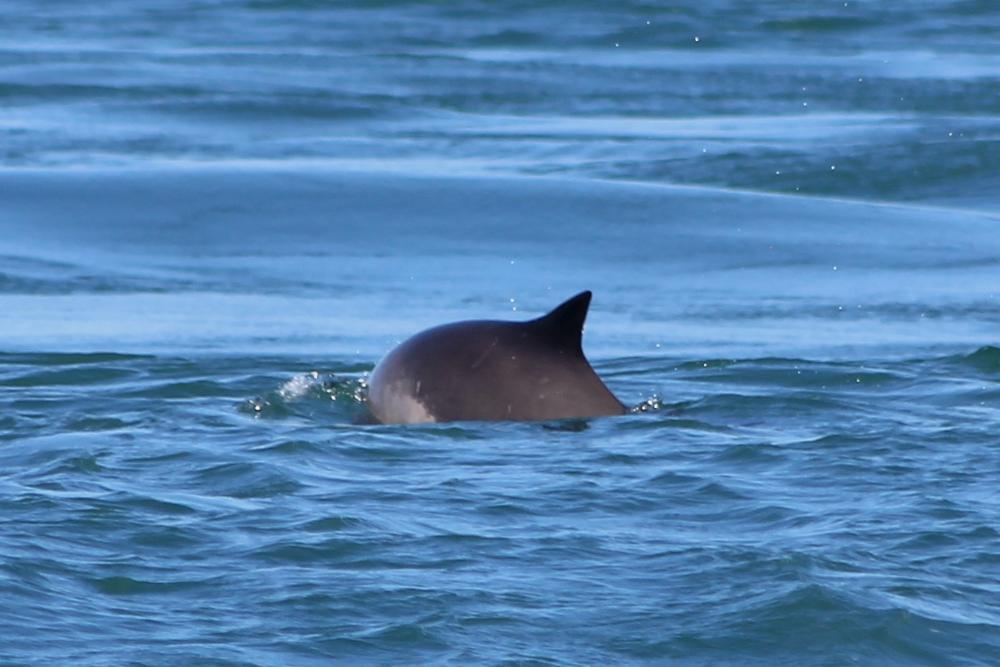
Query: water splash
x=652, y=404
x=310, y=394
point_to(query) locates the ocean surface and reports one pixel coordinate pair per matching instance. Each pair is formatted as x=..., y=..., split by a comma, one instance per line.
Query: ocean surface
x=217, y=215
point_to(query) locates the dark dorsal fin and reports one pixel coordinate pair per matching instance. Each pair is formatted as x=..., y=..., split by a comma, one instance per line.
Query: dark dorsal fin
x=563, y=325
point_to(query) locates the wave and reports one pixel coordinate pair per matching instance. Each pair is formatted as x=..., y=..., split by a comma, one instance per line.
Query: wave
x=985, y=359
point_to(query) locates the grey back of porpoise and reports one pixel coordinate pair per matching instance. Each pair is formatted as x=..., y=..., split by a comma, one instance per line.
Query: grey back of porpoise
x=493, y=370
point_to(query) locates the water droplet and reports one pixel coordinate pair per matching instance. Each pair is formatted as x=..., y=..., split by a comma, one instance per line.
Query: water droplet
x=650, y=404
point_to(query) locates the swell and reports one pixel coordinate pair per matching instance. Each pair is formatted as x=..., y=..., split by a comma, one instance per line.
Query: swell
x=512, y=94
x=752, y=511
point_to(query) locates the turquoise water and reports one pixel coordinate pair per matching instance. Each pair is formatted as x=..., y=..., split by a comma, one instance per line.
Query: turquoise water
x=215, y=217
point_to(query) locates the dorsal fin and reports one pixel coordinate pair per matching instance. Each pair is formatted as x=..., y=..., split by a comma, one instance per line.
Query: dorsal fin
x=563, y=325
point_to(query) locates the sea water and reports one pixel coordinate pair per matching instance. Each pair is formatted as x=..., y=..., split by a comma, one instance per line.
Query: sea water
x=217, y=215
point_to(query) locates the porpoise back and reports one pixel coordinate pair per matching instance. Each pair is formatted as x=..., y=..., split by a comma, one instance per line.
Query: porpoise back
x=493, y=370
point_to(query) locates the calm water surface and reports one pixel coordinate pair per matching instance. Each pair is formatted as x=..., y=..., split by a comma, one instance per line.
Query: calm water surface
x=216, y=216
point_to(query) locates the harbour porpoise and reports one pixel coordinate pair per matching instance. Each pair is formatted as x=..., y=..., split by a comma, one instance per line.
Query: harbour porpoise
x=493, y=370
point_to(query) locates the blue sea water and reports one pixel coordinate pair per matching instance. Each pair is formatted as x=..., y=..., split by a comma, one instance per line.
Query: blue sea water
x=217, y=215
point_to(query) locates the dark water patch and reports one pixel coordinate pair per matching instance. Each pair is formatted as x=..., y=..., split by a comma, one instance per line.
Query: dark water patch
x=287, y=448
x=753, y=454
x=753, y=406
x=791, y=373
x=28, y=502
x=627, y=459
x=985, y=359
x=979, y=309
x=846, y=440
x=158, y=506
x=126, y=586
x=20, y=93
x=407, y=563
x=666, y=423
x=68, y=358
x=168, y=538
x=981, y=533
x=751, y=518
x=97, y=424
x=837, y=617
x=923, y=167
x=68, y=377
x=408, y=635
x=335, y=524
x=718, y=491
x=160, y=457
x=30, y=456
x=246, y=480
x=328, y=551
x=459, y=432
x=508, y=38
x=79, y=280
x=929, y=542
x=819, y=23
x=487, y=619
x=671, y=478
x=89, y=464
x=183, y=390
x=308, y=108
x=505, y=509
x=698, y=365
x=382, y=451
